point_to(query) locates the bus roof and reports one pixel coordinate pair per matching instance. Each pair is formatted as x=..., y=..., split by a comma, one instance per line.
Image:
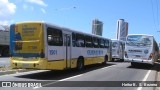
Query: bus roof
x=117, y=40
x=114, y=39
x=62, y=28
x=140, y=34
x=73, y=30
x=29, y=22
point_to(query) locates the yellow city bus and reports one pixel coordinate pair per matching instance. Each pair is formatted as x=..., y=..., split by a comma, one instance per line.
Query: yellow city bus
x=40, y=45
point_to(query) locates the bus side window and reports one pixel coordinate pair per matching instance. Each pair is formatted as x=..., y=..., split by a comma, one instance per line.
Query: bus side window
x=66, y=40
x=54, y=37
x=95, y=42
x=101, y=43
x=73, y=39
x=106, y=44
x=88, y=40
x=80, y=40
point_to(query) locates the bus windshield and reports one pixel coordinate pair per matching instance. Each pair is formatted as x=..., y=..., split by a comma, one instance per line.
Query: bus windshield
x=139, y=40
x=114, y=44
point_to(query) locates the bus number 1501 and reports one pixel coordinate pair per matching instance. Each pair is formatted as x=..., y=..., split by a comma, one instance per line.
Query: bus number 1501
x=53, y=52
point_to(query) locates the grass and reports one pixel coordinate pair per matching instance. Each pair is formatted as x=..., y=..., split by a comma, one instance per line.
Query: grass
x=5, y=70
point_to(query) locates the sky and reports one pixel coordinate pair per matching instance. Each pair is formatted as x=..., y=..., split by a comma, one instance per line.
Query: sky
x=143, y=16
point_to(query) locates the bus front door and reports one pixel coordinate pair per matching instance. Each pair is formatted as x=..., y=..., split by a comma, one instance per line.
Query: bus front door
x=67, y=43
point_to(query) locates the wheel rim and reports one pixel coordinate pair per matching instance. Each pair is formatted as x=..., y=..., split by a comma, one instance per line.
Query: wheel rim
x=80, y=65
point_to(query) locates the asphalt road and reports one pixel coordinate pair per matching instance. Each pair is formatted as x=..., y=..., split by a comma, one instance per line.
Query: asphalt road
x=4, y=61
x=113, y=71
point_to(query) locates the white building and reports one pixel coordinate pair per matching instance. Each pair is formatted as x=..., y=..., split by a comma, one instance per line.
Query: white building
x=122, y=30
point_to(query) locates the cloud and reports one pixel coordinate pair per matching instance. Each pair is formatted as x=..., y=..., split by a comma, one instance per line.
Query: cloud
x=27, y=7
x=7, y=9
x=38, y=2
x=67, y=8
x=43, y=10
x=4, y=22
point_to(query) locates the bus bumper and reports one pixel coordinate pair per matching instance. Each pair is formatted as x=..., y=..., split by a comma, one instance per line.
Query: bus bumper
x=139, y=61
x=115, y=57
x=30, y=64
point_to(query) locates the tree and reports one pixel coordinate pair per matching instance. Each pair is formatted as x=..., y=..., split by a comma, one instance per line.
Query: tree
x=4, y=27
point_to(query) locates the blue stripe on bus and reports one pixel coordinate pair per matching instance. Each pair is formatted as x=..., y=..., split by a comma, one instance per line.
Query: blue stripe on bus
x=25, y=55
x=12, y=31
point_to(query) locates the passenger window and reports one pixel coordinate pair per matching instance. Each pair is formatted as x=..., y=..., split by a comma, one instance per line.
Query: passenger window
x=101, y=43
x=88, y=40
x=80, y=40
x=106, y=44
x=66, y=40
x=73, y=39
x=54, y=37
x=95, y=42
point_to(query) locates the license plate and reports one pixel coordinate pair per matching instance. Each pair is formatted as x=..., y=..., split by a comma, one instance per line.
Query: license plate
x=27, y=58
x=26, y=65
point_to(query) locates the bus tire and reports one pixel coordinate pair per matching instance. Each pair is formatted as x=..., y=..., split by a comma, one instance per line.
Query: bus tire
x=112, y=59
x=122, y=60
x=105, y=60
x=133, y=64
x=80, y=64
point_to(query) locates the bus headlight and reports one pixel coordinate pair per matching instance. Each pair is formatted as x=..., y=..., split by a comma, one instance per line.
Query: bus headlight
x=150, y=56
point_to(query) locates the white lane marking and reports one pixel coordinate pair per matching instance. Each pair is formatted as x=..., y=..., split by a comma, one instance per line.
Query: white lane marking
x=58, y=81
x=108, y=67
x=71, y=77
x=144, y=79
x=68, y=78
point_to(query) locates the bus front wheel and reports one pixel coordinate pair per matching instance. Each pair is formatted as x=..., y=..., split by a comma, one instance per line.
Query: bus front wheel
x=133, y=64
x=80, y=64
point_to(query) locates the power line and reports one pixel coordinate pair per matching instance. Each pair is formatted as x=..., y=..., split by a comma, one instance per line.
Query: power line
x=157, y=13
x=153, y=16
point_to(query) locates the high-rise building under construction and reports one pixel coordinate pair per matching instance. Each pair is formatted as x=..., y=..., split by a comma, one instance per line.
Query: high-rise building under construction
x=97, y=27
x=122, y=30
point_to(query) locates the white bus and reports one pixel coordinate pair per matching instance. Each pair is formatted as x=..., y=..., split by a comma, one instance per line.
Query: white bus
x=118, y=50
x=40, y=45
x=141, y=48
